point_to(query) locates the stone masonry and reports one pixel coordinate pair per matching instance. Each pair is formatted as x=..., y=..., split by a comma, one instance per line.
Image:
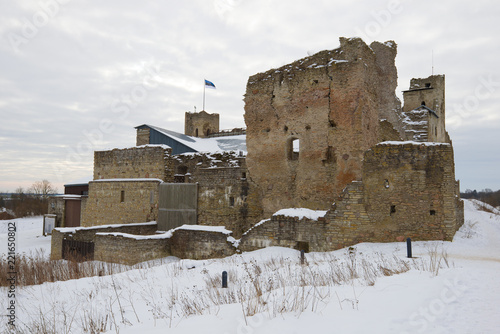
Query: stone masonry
x=310, y=122
x=201, y=124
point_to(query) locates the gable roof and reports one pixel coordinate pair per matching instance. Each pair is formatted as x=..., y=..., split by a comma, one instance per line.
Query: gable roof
x=181, y=143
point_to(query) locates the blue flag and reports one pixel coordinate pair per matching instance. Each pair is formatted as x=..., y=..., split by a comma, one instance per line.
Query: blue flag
x=209, y=84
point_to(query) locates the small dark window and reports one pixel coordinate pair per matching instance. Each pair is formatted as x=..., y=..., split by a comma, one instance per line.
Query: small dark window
x=122, y=196
x=423, y=103
x=196, y=133
x=393, y=209
x=182, y=169
x=428, y=85
x=432, y=212
x=231, y=201
x=244, y=175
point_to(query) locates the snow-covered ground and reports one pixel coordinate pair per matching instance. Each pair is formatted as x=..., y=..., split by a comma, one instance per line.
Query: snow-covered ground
x=270, y=292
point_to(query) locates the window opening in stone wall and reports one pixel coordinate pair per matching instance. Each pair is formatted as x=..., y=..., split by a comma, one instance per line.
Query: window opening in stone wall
x=196, y=133
x=122, y=196
x=182, y=169
x=393, y=209
x=293, y=149
x=208, y=132
x=432, y=212
x=231, y=201
x=243, y=175
x=386, y=183
x=423, y=103
x=428, y=85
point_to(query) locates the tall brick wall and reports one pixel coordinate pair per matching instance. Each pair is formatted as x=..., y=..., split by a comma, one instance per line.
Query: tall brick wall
x=121, y=201
x=331, y=104
x=135, y=162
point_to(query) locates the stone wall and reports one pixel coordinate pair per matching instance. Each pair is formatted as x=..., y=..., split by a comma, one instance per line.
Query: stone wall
x=410, y=191
x=136, y=162
x=292, y=232
x=57, y=207
x=201, y=124
x=142, y=137
x=88, y=234
x=310, y=122
x=129, y=249
x=430, y=92
x=121, y=201
x=226, y=196
x=200, y=245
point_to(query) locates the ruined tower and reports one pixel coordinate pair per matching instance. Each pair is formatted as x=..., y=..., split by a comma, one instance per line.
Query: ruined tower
x=424, y=110
x=201, y=124
x=310, y=122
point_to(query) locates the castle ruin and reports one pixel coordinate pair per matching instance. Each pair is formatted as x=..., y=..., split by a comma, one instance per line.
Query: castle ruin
x=326, y=134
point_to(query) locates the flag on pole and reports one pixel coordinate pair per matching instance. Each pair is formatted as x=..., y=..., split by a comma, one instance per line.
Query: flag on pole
x=209, y=84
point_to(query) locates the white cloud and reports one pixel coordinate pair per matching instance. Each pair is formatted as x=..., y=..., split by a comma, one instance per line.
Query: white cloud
x=64, y=78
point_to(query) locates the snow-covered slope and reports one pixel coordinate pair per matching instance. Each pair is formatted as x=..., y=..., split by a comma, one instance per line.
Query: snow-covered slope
x=449, y=287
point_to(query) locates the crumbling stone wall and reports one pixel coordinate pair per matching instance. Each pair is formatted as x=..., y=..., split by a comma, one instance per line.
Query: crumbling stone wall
x=136, y=162
x=309, y=122
x=200, y=245
x=121, y=201
x=226, y=196
x=88, y=234
x=128, y=249
x=292, y=232
x=410, y=191
x=428, y=92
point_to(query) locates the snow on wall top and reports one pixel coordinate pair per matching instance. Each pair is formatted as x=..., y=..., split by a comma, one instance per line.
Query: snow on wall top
x=301, y=213
x=74, y=229
x=411, y=143
x=218, y=229
x=129, y=180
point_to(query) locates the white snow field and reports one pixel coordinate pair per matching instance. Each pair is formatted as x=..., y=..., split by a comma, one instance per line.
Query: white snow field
x=448, y=287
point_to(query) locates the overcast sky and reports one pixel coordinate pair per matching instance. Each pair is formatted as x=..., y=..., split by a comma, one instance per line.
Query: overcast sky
x=78, y=76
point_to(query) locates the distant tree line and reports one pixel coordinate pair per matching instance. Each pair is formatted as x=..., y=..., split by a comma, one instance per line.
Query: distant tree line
x=486, y=195
x=33, y=201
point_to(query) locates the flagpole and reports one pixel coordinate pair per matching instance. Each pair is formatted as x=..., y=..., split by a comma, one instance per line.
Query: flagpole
x=204, y=85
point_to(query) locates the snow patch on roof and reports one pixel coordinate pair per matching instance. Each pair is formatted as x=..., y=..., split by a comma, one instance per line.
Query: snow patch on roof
x=216, y=144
